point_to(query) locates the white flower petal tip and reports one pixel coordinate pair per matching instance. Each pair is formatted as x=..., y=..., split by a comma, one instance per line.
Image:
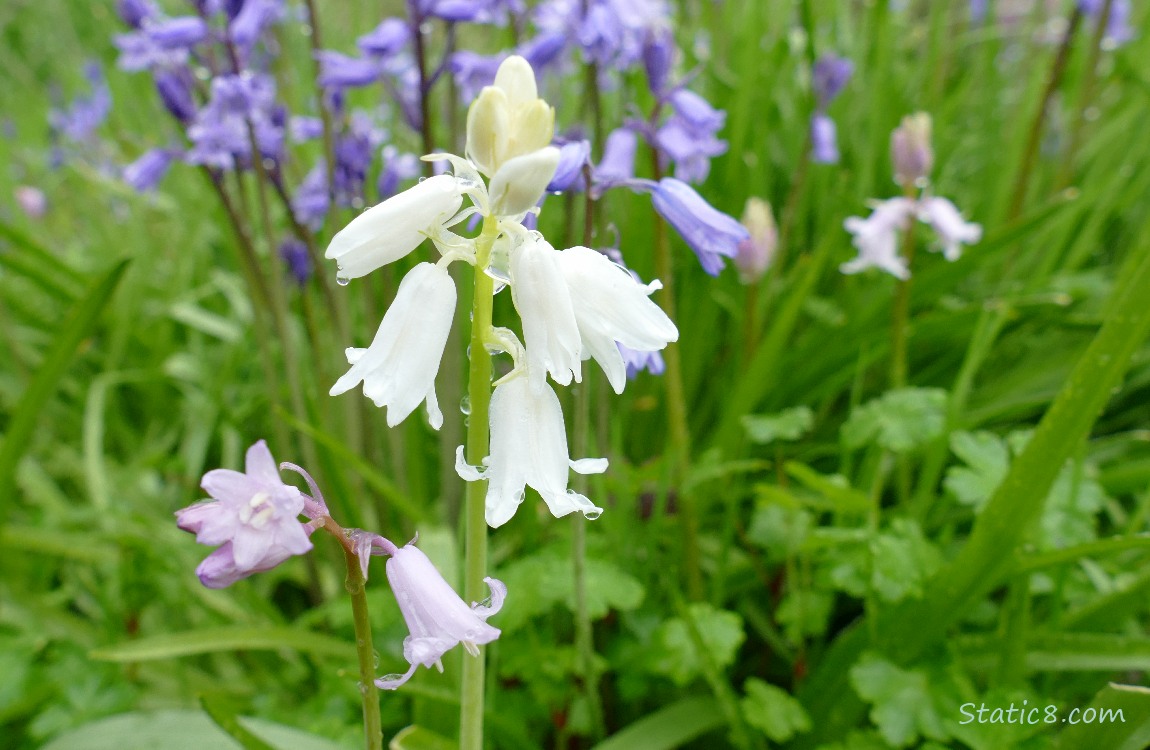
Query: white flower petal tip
x=398, y=370
x=539, y=291
x=589, y=465
x=519, y=182
x=395, y=681
x=466, y=471
x=947, y=222
x=389, y=231
x=493, y=603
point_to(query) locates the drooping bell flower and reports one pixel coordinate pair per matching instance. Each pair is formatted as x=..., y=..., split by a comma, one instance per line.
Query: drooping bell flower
x=710, y=233
x=876, y=238
x=539, y=291
x=947, y=222
x=389, y=231
x=436, y=617
x=529, y=449
x=611, y=308
x=253, y=518
x=398, y=370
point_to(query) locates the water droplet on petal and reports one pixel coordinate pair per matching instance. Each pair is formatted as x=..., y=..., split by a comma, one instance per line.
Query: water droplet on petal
x=421, y=179
x=591, y=515
x=342, y=280
x=362, y=688
x=465, y=405
x=375, y=659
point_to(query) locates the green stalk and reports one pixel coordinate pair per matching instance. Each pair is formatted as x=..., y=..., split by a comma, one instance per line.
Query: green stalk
x=478, y=438
x=1085, y=97
x=373, y=733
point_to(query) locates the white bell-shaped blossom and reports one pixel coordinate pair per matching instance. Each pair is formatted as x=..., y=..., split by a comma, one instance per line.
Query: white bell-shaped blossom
x=520, y=182
x=392, y=229
x=540, y=293
x=876, y=238
x=947, y=222
x=612, y=306
x=529, y=449
x=508, y=119
x=398, y=370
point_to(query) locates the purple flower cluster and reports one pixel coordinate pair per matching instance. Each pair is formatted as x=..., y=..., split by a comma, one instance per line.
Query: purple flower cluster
x=828, y=78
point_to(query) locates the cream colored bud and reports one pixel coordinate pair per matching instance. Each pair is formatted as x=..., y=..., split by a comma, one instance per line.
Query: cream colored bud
x=533, y=128
x=755, y=253
x=516, y=78
x=488, y=129
x=911, y=151
x=520, y=182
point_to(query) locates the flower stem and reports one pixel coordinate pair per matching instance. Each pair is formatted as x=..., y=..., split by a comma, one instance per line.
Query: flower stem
x=475, y=540
x=677, y=410
x=373, y=733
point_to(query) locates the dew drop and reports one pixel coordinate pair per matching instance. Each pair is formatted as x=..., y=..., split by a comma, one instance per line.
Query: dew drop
x=375, y=659
x=557, y=192
x=591, y=515
x=393, y=677
x=342, y=280
x=421, y=179
x=362, y=688
x=486, y=602
x=465, y=405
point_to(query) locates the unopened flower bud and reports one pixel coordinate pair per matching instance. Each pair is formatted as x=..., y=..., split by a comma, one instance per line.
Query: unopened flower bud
x=520, y=182
x=754, y=254
x=910, y=150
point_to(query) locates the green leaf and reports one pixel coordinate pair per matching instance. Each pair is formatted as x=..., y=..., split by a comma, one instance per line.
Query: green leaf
x=779, y=529
x=903, y=559
x=899, y=420
x=178, y=730
x=418, y=738
x=900, y=699
x=773, y=711
x=218, y=710
x=79, y=324
x=33, y=261
x=804, y=612
x=987, y=461
x=210, y=640
x=670, y=727
x=1128, y=707
x=675, y=655
x=789, y=424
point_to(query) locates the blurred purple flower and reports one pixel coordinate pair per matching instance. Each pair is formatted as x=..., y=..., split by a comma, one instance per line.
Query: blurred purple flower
x=824, y=145
x=435, y=615
x=611, y=33
x=573, y=155
x=338, y=71
x=135, y=12
x=146, y=172
x=175, y=89
x=386, y=40
x=220, y=134
x=689, y=147
x=255, y=16
x=710, y=233
x=354, y=152
x=618, y=162
x=658, y=57
x=253, y=517
x=472, y=71
x=829, y=77
x=397, y=168
x=295, y=255
x=1118, y=29
x=310, y=203
x=78, y=122
x=303, y=128
x=543, y=50
x=638, y=362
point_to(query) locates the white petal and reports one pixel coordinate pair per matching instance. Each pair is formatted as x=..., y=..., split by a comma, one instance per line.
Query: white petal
x=519, y=183
x=392, y=229
x=517, y=80
x=589, y=466
x=603, y=349
x=466, y=471
x=540, y=293
x=562, y=503
x=488, y=125
x=498, y=596
x=398, y=369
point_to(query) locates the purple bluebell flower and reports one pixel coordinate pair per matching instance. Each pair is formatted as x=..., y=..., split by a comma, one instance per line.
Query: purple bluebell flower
x=175, y=89
x=611, y=33
x=830, y=75
x=135, y=12
x=303, y=128
x=253, y=518
x=658, y=58
x=710, y=233
x=145, y=173
x=618, y=162
x=295, y=255
x=78, y=122
x=386, y=40
x=573, y=155
x=1118, y=29
x=310, y=203
x=397, y=168
x=255, y=16
x=472, y=71
x=697, y=111
x=979, y=10
x=637, y=362
x=689, y=147
x=160, y=43
x=354, y=152
x=184, y=32
x=31, y=201
x=435, y=615
x=338, y=71
x=543, y=50
x=220, y=133
x=824, y=145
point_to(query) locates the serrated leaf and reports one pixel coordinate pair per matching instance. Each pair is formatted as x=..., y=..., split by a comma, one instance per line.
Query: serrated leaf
x=789, y=424
x=674, y=652
x=780, y=530
x=987, y=461
x=902, y=560
x=545, y=579
x=899, y=420
x=901, y=705
x=804, y=612
x=773, y=711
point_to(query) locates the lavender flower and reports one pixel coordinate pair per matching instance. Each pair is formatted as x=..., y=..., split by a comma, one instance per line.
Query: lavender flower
x=876, y=238
x=78, y=122
x=220, y=131
x=688, y=137
x=253, y=518
x=135, y=12
x=338, y=71
x=145, y=173
x=829, y=77
x=658, y=58
x=824, y=145
x=386, y=40
x=255, y=15
x=435, y=615
x=1118, y=29
x=946, y=221
x=472, y=71
x=397, y=168
x=175, y=90
x=911, y=151
x=618, y=162
x=637, y=362
x=710, y=233
x=310, y=203
x=573, y=156
x=295, y=255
